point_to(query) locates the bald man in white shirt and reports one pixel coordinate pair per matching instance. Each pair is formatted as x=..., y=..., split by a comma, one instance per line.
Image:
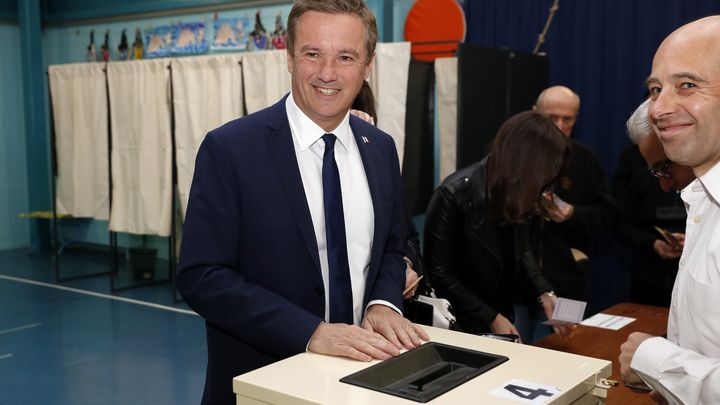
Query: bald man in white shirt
x=685, y=111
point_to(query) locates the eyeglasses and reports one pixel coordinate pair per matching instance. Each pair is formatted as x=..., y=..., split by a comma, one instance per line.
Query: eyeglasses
x=662, y=171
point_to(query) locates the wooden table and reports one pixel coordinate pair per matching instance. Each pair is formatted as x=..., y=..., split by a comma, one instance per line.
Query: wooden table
x=605, y=344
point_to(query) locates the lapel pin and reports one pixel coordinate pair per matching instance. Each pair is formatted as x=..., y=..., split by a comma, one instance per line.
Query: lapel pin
x=364, y=138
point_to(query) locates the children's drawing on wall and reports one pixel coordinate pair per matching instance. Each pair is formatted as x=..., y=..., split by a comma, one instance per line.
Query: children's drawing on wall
x=159, y=41
x=259, y=34
x=90, y=52
x=279, y=36
x=122, y=49
x=189, y=38
x=138, y=48
x=105, y=47
x=231, y=34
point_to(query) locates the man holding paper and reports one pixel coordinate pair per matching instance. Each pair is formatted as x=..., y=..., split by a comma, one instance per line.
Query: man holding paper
x=654, y=216
x=581, y=202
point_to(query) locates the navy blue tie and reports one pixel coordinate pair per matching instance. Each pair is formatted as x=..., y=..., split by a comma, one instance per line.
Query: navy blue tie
x=341, y=304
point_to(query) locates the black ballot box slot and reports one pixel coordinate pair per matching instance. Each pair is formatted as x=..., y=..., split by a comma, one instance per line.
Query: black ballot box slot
x=425, y=372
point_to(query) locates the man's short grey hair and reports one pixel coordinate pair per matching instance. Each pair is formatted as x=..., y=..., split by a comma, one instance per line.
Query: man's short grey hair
x=638, y=125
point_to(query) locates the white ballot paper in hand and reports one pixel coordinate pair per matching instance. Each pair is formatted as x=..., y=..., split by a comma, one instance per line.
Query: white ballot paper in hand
x=567, y=311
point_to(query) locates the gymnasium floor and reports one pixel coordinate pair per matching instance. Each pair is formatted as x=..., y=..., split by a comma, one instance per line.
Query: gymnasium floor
x=76, y=343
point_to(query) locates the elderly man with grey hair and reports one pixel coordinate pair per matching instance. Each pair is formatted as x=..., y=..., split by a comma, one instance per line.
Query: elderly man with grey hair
x=638, y=125
x=672, y=176
x=647, y=204
x=584, y=204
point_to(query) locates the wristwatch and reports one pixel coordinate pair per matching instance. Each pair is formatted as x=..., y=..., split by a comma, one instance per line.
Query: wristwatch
x=548, y=293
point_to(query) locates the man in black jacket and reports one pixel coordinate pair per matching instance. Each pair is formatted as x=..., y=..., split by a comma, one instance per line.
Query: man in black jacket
x=584, y=204
x=648, y=203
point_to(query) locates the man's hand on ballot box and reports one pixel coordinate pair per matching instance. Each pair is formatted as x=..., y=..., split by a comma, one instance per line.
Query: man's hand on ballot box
x=384, y=333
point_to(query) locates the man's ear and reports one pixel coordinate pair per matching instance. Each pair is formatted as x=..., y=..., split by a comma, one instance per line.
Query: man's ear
x=368, y=67
x=534, y=108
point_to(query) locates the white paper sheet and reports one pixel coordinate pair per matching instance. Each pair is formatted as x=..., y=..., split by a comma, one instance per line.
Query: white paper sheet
x=567, y=311
x=606, y=321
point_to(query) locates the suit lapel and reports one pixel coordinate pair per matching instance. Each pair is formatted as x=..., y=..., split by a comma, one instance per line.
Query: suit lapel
x=281, y=148
x=371, y=165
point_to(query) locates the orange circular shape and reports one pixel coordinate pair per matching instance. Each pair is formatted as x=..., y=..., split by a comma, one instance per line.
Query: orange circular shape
x=435, y=27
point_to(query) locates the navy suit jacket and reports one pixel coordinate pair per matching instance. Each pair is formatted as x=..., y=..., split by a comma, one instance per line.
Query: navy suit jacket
x=249, y=261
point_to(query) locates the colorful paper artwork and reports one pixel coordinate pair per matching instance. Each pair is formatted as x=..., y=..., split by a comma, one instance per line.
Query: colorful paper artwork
x=138, y=48
x=259, y=34
x=159, y=41
x=279, y=36
x=231, y=34
x=189, y=38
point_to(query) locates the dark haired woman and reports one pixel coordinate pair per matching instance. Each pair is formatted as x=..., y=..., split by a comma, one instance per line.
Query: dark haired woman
x=482, y=231
x=364, y=104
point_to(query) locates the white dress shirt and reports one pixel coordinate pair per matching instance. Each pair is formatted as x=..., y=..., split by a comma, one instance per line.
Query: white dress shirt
x=357, y=202
x=685, y=368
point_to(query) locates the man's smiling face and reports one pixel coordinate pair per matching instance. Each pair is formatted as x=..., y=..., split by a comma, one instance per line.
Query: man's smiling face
x=685, y=91
x=328, y=65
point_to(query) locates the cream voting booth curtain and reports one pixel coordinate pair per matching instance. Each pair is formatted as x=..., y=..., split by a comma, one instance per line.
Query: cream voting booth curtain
x=265, y=77
x=446, y=79
x=79, y=103
x=207, y=92
x=141, y=147
x=388, y=80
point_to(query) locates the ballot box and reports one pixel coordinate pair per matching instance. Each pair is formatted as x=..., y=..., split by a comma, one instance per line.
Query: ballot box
x=501, y=373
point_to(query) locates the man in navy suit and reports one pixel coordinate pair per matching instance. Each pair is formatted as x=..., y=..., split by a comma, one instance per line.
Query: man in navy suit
x=255, y=256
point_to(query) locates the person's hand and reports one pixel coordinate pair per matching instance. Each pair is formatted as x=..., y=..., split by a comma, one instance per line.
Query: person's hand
x=548, y=302
x=339, y=339
x=504, y=326
x=392, y=326
x=666, y=250
x=655, y=396
x=627, y=351
x=410, y=278
x=680, y=237
x=560, y=214
x=363, y=116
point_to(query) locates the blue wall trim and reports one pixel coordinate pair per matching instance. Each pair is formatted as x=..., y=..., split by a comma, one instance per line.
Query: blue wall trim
x=8, y=11
x=70, y=10
x=8, y=6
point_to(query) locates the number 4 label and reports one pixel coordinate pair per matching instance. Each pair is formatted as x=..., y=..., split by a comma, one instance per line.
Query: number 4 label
x=526, y=391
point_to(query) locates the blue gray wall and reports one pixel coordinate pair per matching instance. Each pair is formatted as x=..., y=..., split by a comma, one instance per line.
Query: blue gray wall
x=14, y=231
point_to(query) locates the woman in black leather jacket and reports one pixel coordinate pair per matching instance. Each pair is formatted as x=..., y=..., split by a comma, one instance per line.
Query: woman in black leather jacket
x=482, y=232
